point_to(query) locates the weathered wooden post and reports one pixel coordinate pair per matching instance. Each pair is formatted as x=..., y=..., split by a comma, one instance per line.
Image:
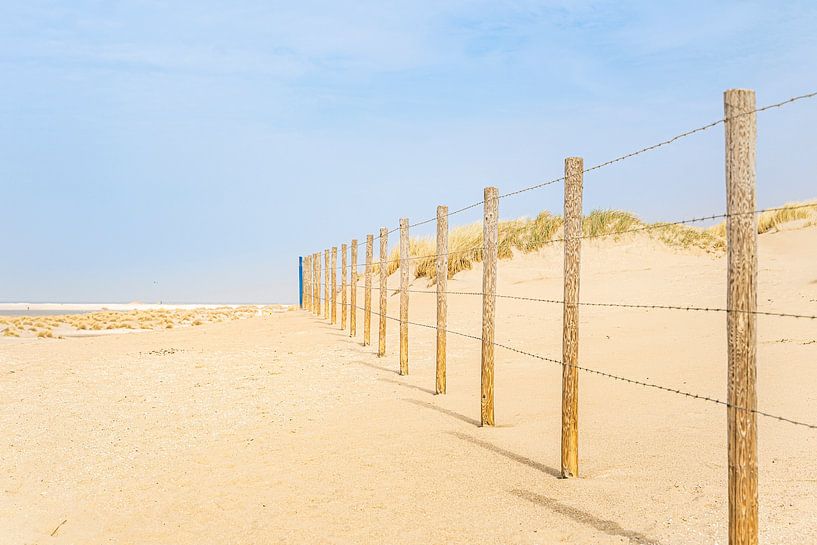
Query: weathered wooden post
x=300, y=281
x=384, y=245
x=334, y=293
x=312, y=282
x=353, y=295
x=326, y=279
x=316, y=286
x=367, y=294
x=741, y=300
x=308, y=283
x=490, y=236
x=404, y=296
x=344, y=304
x=442, y=285
x=574, y=167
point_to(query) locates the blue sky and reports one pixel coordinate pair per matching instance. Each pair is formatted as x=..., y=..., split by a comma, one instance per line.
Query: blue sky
x=190, y=151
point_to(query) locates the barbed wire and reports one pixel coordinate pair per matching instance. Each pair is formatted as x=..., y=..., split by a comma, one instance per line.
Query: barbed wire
x=604, y=373
x=610, y=161
x=618, y=159
x=620, y=305
x=632, y=154
x=640, y=228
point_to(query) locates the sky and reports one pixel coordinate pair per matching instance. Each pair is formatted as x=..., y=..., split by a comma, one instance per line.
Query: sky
x=190, y=151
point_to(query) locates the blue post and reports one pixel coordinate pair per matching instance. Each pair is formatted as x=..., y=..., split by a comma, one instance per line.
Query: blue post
x=301, y=281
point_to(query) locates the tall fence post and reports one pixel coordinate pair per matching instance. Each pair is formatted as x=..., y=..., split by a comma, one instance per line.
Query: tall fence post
x=308, y=285
x=326, y=275
x=334, y=292
x=489, y=257
x=353, y=291
x=384, y=245
x=367, y=293
x=300, y=281
x=574, y=167
x=442, y=286
x=317, y=287
x=305, y=282
x=404, y=296
x=741, y=300
x=344, y=304
x=312, y=282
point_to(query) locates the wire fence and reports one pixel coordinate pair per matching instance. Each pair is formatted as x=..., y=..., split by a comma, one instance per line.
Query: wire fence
x=613, y=233
x=615, y=160
x=605, y=374
x=741, y=231
x=614, y=305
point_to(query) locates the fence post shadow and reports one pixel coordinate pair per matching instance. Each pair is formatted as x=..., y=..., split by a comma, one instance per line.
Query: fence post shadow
x=449, y=412
x=378, y=367
x=524, y=460
x=606, y=526
x=406, y=385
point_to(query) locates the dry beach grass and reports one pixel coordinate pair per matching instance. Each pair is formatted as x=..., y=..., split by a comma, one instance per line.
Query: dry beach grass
x=103, y=322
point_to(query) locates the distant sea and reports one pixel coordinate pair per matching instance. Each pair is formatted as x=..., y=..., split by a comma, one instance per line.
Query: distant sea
x=27, y=312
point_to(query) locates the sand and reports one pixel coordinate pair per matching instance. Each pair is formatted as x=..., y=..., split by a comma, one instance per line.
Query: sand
x=282, y=429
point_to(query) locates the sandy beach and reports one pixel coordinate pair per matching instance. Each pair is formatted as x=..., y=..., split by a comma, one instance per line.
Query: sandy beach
x=282, y=429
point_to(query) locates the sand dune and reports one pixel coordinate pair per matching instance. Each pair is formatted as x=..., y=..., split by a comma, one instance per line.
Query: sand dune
x=282, y=429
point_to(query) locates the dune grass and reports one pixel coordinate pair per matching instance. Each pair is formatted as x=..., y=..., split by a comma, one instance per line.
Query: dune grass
x=529, y=235
x=789, y=212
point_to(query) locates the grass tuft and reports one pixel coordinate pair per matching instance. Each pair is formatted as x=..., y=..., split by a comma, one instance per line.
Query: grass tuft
x=775, y=218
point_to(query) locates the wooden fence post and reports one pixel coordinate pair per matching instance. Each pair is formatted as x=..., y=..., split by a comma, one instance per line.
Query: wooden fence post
x=344, y=304
x=574, y=167
x=304, y=283
x=404, y=296
x=384, y=245
x=489, y=256
x=317, y=286
x=442, y=285
x=367, y=294
x=353, y=293
x=312, y=282
x=334, y=293
x=308, y=283
x=741, y=300
x=326, y=284
x=301, y=281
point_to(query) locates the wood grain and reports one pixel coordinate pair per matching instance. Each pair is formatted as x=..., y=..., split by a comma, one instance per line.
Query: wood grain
x=441, y=276
x=741, y=299
x=317, y=286
x=489, y=244
x=384, y=247
x=326, y=275
x=367, y=294
x=305, y=284
x=574, y=167
x=404, y=295
x=334, y=289
x=353, y=291
x=344, y=303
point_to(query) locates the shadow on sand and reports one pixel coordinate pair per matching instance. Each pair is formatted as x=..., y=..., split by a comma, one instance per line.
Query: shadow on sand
x=406, y=385
x=524, y=460
x=442, y=410
x=608, y=527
